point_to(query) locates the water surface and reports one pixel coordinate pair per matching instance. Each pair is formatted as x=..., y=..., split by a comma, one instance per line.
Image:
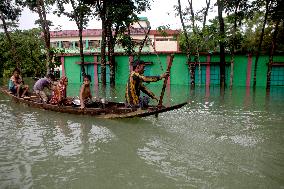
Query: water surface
x=219, y=140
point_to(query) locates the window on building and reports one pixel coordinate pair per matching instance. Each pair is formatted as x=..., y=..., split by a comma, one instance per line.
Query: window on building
x=93, y=44
x=215, y=74
x=277, y=75
x=165, y=39
x=77, y=45
x=137, y=42
x=107, y=74
x=84, y=43
x=54, y=44
x=200, y=76
x=148, y=42
x=66, y=44
x=162, y=39
x=89, y=70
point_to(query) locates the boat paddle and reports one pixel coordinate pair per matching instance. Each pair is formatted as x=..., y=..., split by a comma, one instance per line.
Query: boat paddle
x=170, y=61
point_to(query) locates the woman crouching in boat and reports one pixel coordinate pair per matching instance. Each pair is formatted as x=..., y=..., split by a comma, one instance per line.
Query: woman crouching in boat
x=59, y=93
x=85, y=92
x=16, y=84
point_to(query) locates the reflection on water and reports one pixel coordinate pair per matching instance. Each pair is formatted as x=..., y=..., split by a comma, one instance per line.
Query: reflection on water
x=219, y=140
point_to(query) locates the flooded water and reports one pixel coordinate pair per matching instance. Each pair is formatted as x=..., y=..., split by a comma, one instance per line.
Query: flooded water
x=219, y=140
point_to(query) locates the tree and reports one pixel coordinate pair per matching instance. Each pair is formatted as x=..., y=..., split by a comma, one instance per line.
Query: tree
x=79, y=13
x=277, y=17
x=192, y=66
x=193, y=40
x=197, y=36
x=238, y=10
x=101, y=9
x=40, y=7
x=29, y=45
x=117, y=17
x=10, y=11
x=267, y=8
x=222, y=42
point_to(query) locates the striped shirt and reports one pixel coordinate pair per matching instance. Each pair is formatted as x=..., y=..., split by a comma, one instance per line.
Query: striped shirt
x=135, y=85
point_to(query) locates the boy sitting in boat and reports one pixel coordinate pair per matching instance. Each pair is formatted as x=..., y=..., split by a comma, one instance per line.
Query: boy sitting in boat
x=85, y=92
x=42, y=83
x=135, y=85
x=16, y=84
x=59, y=93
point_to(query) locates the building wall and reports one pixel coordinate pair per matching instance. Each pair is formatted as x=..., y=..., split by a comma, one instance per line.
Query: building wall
x=122, y=69
x=179, y=71
x=209, y=69
x=166, y=46
x=72, y=70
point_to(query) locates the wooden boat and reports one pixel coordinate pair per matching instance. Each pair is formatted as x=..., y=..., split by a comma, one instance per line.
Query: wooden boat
x=108, y=110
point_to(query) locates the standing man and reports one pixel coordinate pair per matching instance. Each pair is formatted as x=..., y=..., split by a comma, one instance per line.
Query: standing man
x=135, y=85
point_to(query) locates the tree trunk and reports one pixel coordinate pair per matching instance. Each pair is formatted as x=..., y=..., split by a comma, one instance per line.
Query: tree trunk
x=272, y=50
x=192, y=16
x=81, y=50
x=205, y=13
x=190, y=64
x=232, y=70
x=43, y=22
x=260, y=42
x=196, y=56
x=111, y=57
x=142, y=43
x=103, y=45
x=222, y=46
x=14, y=52
x=233, y=46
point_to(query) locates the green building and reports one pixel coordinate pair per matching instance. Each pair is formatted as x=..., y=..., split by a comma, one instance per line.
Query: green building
x=207, y=71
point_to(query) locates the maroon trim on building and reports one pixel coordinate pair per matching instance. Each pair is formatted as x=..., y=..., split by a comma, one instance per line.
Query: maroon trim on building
x=206, y=63
x=62, y=66
x=169, y=95
x=96, y=62
x=168, y=32
x=96, y=78
x=75, y=33
x=123, y=53
x=169, y=78
x=208, y=71
x=249, y=70
x=278, y=64
x=98, y=32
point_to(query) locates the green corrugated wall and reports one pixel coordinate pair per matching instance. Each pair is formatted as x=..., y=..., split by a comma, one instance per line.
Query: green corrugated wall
x=179, y=71
x=240, y=70
x=72, y=70
x=122, y=69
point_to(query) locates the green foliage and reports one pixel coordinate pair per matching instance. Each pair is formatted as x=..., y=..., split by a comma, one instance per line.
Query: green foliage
x=163, y=30
x=10, y=10
x=55, y=59
x=80, y=11
x=206, y=40
x=29, y=47
x=127, y=43
x=247, y=34
x=118, y=16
